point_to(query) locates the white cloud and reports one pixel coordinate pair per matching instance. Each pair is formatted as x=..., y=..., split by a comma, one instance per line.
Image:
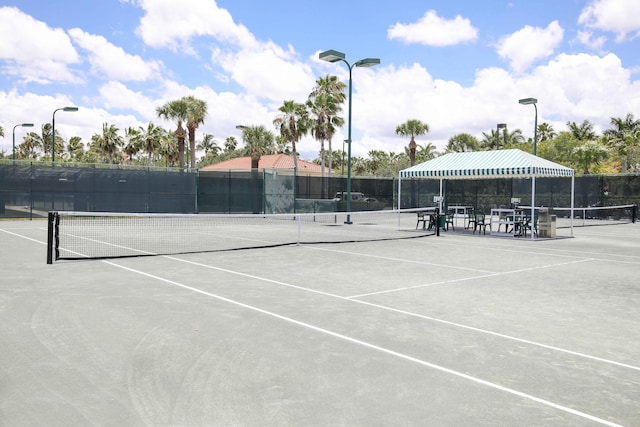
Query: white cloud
x=167, y=26
x=530, y=44
x=33, y=51
x=433, y=30
x=112, y=61
x=269, y=72
x=587, y=38
x=617, y=16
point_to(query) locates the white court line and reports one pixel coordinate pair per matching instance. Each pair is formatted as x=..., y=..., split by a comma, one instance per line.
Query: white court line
x=464, y=279
x=375, y=347
x=408, y=313
x=24, y=237
x=379, y=348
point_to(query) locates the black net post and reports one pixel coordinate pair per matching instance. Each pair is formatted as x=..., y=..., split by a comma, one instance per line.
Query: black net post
x=50, y=234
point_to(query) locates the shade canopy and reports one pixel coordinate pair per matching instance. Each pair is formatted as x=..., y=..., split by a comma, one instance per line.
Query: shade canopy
x=487, y=164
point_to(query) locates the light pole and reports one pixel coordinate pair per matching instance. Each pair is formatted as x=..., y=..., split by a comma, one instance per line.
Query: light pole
x=534, y=101
x=498, y=127
x=335, y=56
x=53, y=131
x=24, y=125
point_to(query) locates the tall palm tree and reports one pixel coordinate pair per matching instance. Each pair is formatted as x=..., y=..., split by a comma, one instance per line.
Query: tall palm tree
x=412, y=128
x=293, y=123
x=196, y=112
x=178, y=112
x=325, y=104
x=258, y=141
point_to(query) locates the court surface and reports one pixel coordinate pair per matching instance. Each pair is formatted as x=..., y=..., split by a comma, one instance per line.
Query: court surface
x=456, y=330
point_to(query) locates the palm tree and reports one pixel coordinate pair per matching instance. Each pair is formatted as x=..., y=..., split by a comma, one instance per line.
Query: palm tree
x=588, y=154
x=463, y=142
x=412, y=128
x=425, y=152
x=258, y=141
x=150, y=139
x=582, y=132
x=29, y=146
x=293, y=123
x=208, y=144
x=169, y=148
x=1, y=132
x=230, y=144
x=196, y=112
x=325, y=104
x=624, y=136
x=107, y=143
x=133, y=144
x=75, y=148
x=546, y=132
x=178, y=112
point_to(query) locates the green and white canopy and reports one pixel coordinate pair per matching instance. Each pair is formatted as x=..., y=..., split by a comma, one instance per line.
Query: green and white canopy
x=487, y=164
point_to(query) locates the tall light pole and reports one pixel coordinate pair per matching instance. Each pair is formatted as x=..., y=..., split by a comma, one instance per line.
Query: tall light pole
x=24, y=125
x=335, y=56
x=498, y=127
x=534, y=101
x=53, y=131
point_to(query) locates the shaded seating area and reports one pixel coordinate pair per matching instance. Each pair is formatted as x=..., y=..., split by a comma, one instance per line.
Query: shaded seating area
x=511, y=163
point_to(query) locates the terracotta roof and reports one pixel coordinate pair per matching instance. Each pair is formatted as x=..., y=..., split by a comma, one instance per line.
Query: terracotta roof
x=271, y=161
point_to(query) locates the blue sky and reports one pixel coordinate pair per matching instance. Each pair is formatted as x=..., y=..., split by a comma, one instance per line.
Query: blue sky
x=459, y=65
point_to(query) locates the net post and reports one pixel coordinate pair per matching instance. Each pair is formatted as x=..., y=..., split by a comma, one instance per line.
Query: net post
x=50, y=220
x=438, y=221
x=634, y=214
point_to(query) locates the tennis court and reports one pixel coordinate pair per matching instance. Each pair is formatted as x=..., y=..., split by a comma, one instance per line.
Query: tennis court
x=449, y=330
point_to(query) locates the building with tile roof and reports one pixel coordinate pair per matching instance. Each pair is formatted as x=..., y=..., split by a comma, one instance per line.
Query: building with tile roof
x=270, y=161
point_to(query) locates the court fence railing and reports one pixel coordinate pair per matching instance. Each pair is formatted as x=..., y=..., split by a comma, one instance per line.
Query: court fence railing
x=31, y=189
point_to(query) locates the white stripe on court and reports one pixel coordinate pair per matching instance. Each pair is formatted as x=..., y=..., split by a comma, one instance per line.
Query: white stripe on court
x=378, y=348
x=464, y=279
x=408, y=313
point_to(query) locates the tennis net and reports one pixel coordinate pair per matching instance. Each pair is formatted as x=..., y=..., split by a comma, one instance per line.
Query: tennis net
x=90, y=235
x=595, y=215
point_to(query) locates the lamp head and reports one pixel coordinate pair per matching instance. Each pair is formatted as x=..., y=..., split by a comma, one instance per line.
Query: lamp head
x=528, y=101
x=27, y=125
x=241, y=127
x=367, y=62
x=331, y=56
x=70, y=109
x=502, y=125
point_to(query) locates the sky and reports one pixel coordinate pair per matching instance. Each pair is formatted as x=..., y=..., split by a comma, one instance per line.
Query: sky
x=457, y=65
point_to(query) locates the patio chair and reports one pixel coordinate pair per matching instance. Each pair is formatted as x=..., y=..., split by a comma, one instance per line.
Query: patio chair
x=480, y=223
x=448, y=219
x=422, y=218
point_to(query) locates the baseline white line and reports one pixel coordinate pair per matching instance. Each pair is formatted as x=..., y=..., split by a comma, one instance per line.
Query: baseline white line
x=444, y=282
x=378, y=348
